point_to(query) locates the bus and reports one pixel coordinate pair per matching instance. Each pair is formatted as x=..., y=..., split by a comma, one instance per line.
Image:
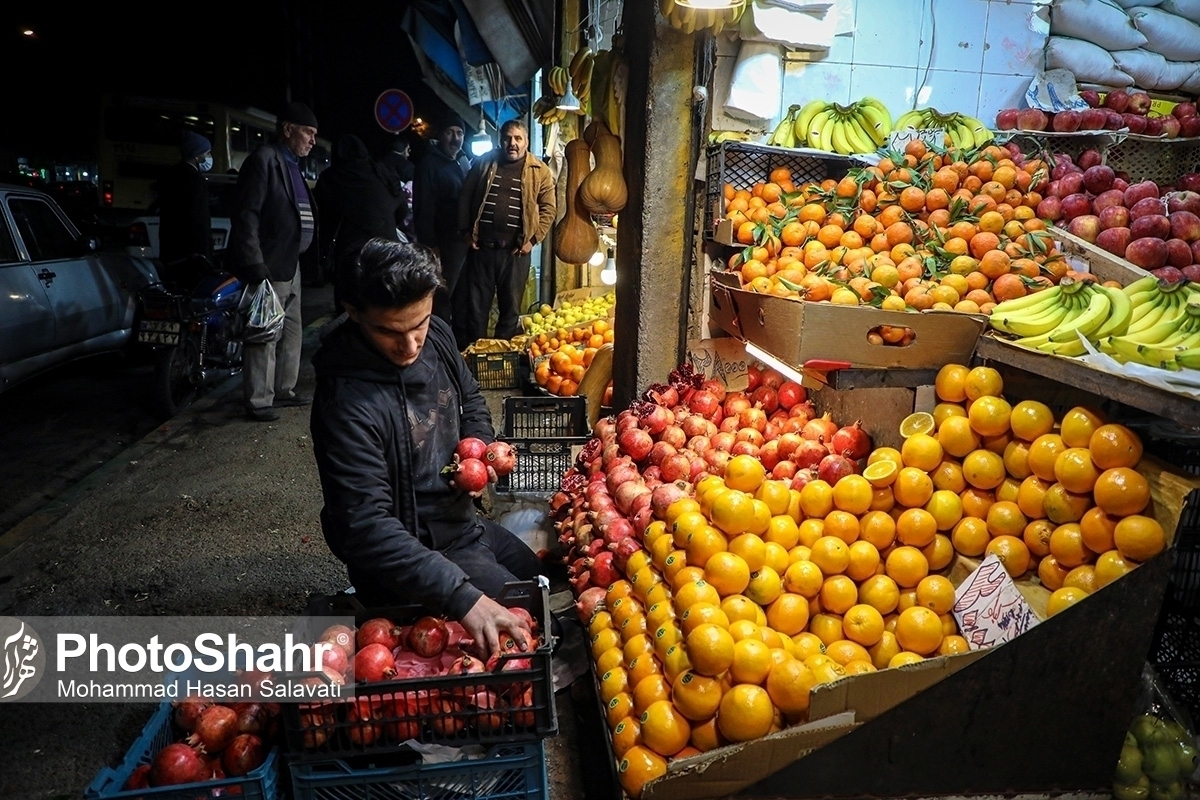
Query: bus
x=139, y=138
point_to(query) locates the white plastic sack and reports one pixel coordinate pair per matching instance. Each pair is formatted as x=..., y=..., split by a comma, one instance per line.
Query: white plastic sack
x=1189, y=9
x=265, y=320
x=757, y=82
x=1145, y=67
x=1101, y=22
x=1192, y=84
x=797, y=30
x=1176, y=38
x=1177, y=74
x=1086, y=61
x=1136, y=3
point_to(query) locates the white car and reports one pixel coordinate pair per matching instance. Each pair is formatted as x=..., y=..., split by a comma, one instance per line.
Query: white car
x=222, y=199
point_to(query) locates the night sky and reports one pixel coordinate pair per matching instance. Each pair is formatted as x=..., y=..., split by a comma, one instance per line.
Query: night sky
x=337, y=57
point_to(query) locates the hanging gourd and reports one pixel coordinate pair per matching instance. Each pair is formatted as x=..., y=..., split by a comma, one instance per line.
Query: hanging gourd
x=604, y=191
x=575, y=237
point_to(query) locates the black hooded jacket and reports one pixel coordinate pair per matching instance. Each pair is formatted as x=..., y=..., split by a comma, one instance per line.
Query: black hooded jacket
x=357, y=203
x=363, y=442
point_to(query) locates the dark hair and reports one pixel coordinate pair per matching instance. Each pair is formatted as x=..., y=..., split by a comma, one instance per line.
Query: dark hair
x=514, y=123
x=390, y=274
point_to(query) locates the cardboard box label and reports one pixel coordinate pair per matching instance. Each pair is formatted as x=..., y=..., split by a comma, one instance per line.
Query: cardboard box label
x=989, y=608
x=723, y=359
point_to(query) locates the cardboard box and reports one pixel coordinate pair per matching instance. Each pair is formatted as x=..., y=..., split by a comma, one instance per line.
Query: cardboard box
x=1083, y=255
x=796, y=331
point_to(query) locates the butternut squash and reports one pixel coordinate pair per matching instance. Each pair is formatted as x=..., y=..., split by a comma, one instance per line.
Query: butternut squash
x=593, y=130
x=604, y=191
x=575, y=237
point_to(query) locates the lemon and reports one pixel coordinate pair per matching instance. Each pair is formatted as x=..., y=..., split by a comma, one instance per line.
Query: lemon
x=917, y=423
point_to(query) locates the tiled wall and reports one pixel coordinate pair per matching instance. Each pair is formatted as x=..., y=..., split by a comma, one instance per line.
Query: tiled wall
x=971, y=56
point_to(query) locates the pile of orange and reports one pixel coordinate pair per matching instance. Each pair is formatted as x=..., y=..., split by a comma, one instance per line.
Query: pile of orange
x=561, y=360
x=922, y=229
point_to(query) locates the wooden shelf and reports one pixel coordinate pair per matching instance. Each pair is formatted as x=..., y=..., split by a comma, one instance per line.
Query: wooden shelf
x=1070, y=372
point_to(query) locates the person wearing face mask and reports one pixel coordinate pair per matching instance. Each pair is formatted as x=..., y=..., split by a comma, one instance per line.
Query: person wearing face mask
x=185, y=221
x=436, y=188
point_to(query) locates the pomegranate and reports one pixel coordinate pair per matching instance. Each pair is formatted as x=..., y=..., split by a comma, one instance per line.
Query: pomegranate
x=469, y=475
x=790, y=393
x=501, y=458
x=820, y=429
x=341, y=636
x=667, y=494
x=374, y=663
x=188, y=710
x=178, y=763
x=139, y=778
x=809, y=454
x=252, y=718
x=379, y=630
x=765, y=398
x=364, y=717
x=705, y=404
x=526, y=617
x=635, y=443
x=835, y=467
x=621, y=551
x=428, y=636
x=243, y=755
x=588, y=600
x=753, y=377
x=852, y=442
x=659, y=451
x=215, y=729
x=471, y=447
x=604, y=571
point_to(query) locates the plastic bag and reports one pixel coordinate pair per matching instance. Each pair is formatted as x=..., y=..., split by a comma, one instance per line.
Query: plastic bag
x=265, y=319
x=1159, y=754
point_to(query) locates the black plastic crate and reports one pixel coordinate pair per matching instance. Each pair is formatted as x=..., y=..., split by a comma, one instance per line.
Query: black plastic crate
x=1181, y=449
x=1175, y=654
x=743, y=164
x=506, y=773
x=545, y=417
x=514, y=705
x=541, y=464
x=496, y=370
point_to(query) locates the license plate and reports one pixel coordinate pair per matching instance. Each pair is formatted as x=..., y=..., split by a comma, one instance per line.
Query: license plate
x=153, y=331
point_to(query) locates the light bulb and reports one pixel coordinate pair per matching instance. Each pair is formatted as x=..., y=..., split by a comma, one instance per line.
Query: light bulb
x=608, y=275
x=597, y=258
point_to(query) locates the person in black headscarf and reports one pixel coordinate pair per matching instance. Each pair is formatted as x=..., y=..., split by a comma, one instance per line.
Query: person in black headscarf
x=357, y=204
x=184, y=217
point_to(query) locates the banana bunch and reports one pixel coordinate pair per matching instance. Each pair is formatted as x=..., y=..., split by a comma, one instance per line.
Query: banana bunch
x=1053, y=320
x=861, y=127
x=965, y=132
x=605, y=101
x=716, y=137
x=1164, y=328
x=546, y=110
x=580, y=73
x=689, y=20
x=558, y=79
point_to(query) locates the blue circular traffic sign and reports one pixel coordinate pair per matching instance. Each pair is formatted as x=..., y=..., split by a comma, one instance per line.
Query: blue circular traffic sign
x=393, y=110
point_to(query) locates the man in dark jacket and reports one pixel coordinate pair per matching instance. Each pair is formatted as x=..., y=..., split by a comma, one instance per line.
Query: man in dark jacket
x=274, y=226
x=436, y=188
x=393, y=399
x=185, y=221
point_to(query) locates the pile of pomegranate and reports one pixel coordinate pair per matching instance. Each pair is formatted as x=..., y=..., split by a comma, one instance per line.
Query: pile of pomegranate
x=468, y=471
x=381, y=650
x=219, y=741
x=652, y=454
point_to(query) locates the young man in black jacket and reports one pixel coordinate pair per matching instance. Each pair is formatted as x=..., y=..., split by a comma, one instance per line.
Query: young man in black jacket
x=393, y=399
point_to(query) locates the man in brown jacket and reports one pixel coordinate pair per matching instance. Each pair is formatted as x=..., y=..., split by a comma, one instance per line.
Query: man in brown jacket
x=506, y=206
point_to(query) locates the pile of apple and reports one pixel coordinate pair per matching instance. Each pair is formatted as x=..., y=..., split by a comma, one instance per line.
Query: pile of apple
x=1119, y=109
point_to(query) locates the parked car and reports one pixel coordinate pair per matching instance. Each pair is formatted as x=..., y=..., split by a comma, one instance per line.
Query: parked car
x=60, y=299
x=222, y=199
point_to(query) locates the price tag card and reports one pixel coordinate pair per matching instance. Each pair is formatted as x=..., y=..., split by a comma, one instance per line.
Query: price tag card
x=724, y=359
x=989, y=608
x=898, y=139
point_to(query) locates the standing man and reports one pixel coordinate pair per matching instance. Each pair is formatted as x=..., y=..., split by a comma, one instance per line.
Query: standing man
x=438, y=184
x=184, y=217
x=508, y=207
x=400, y=172
x=393, y=399
x=273, y=227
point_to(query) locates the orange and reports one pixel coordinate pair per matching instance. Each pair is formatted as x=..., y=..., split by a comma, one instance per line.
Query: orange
x=783, y=531
x=685, y=524
x=1004, y=518
x=913, y=487
x=1075, y=471
x=1012, y=552
x=904, y=657
x=641, y=667
x=864, y=561
x=738, y=607
x=1031, y=496
x=765, y=585
x=877, y=528
x=789, y=685
x=880, y=592
x=950, y=383
x=838, y=594
x=807, y=644
x=710, y=649
x=827, y=627
x=1060, y=505
x=627, y=734
x=989, y=415
x=1016, y=459
x=949, y=476
x=1115, y=445
x=696, y=696
x=1121, y=491
x=1139, y=538
x=883, y=651
x=690, y=594
x=881, y=473
x=919, y=630
x=1043, y=452
x=775, y=494
x=788, y=613
x=843, y=651
x=916, y=527
x=803, y=578
x=939, y=553
x=1097, y=529
x=863, y=624
x=843, y=525
x=1031, y=419
x=1063, y=598
x=946, y=509
x=953, y=645
x=956, y=436
x=1037, y=537
x=613, y=682
x=751, y=661
x=746, y=712
x=703, y=545
x=1067, y=547
x=907, y=566
x=744, y=473
x=983, y=469
x=1110, y=566
x=982, y=381
x=1051, y=573
x=650, y=690
x=853, y=494
x=976, y=502
x=618, y=709
x=831, y=554
x=1078, y=425
x=676, y=661
x=886, y=454
x=935, y=593
x=699, y=614
x=816, y=499
x=921, y=451
x=639, y=766
x=742, y=629
x=1082, y=577
x=970, y=536
x=810, y=531
x=727, y=572
x=732, y=511
x=777, y=557
x=751, y=549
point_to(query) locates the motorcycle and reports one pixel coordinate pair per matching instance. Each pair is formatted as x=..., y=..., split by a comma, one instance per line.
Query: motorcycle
x=194, y=334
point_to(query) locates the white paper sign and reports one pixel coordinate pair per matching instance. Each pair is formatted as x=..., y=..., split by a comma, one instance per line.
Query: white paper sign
x=989, y=608
x=898, y=139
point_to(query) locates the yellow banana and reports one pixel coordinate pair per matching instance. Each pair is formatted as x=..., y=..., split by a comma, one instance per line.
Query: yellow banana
x=859, y=136
x=804, y=119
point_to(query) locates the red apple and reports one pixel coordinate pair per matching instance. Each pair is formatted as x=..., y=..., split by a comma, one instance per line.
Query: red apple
x=1151, y=225
x=1050, y=208
x=1117, y=100
x=1171, y=127
x=1071, y=183
x=1086, y=227
x=1089, y=158
x=1006, y=120
x=1195, y=268
x=1032, y=119
x=1139, y=103
x=1121, y=182
x=1113, y=121
x=1135, y=122
x=1183, y=201
x=1169, y=275
x=1113, y=197
x=1150, y=206
x=1154, y=126
x=1189, y=182
x=1098, y=179
x=1138, y=191
x=1092, y=119
x=1147, y=253
x=1185, y=225
x=1114, y=240
x=1066, y=121
x=1181, y=111
x=1091, y=97
x=1190, y=126
x=1179, y=253
x=1114, y=217
x=1076, y=205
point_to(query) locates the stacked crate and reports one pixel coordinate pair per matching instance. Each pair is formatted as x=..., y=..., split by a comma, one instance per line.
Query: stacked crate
x=546, y=433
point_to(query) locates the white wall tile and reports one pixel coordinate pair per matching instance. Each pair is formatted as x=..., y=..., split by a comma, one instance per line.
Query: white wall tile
x=842, y=50
x=997, y=92
x=894, y=86
x=955, y=34
x=821, y=79
x=948, y=91
x=889, y=32
x=1011, y=47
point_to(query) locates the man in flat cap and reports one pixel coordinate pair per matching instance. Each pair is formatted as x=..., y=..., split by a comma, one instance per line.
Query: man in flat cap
x=436, y=187
x=185, y=221
x=275, y=225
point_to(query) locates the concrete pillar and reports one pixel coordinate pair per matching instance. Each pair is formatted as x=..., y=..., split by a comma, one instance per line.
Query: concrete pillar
x=654, y=239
